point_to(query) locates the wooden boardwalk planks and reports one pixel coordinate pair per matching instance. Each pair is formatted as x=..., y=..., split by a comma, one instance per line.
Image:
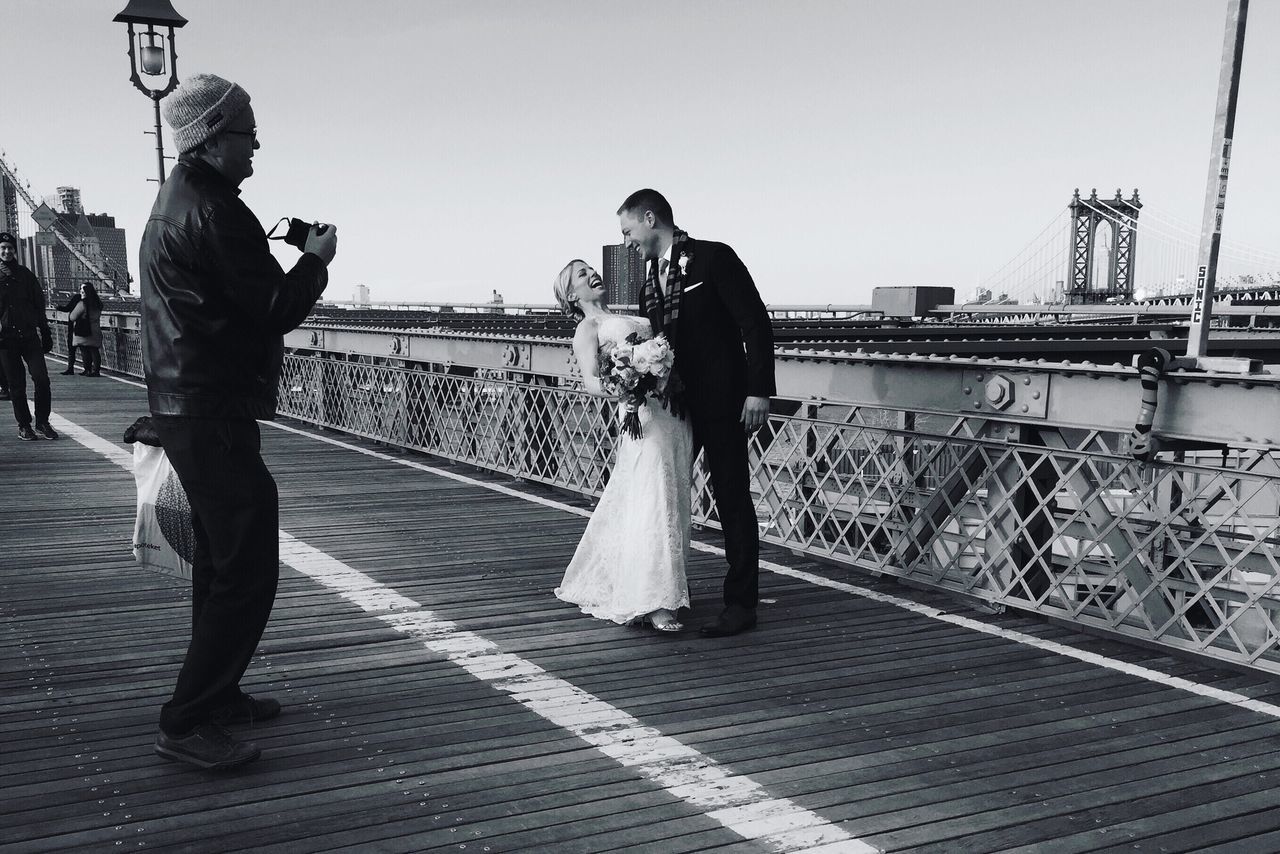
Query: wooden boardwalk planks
x=908, y=733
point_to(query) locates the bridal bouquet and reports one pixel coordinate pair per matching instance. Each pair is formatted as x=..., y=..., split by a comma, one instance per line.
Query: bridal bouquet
x=635, y=370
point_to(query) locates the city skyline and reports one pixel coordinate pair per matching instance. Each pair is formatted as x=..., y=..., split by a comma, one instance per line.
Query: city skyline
x=94, y=235
x=466, y=147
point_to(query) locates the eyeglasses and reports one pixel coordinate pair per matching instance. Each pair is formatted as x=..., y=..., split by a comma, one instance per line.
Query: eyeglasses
x=252, y=133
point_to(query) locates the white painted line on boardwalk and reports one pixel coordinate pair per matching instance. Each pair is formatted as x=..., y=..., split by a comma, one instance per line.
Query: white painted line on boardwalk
x=1135, y=670
x=734, y=800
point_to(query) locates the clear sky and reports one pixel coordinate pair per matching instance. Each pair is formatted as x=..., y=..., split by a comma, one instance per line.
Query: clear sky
x=467, y=145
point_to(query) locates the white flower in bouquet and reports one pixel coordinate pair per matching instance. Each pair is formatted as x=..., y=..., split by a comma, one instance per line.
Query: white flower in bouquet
x=642, y=361
x=654, y=356
x=660, y=354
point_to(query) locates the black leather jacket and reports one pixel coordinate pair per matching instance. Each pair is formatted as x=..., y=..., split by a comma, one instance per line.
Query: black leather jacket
x=215, y=302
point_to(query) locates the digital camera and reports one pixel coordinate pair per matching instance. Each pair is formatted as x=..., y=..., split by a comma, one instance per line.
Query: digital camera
x=297, y=232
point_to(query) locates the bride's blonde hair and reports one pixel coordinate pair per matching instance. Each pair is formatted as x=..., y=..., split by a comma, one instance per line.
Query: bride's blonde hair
x=564, y=290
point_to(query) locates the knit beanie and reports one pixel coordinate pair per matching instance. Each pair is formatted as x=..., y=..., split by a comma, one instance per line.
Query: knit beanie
x=201, y=107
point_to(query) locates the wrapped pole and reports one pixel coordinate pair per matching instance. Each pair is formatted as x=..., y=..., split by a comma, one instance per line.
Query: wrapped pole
x=1216, y=192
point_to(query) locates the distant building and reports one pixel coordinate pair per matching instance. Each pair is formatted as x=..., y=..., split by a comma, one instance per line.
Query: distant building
x=362, y=295
x=66, y=200
x=623, y=274
x=94, y=236
x=114, y=251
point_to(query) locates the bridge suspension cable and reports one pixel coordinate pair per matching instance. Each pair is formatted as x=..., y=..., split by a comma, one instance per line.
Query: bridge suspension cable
x=1167, y=250
x=1036, y=268
x=1166, y=253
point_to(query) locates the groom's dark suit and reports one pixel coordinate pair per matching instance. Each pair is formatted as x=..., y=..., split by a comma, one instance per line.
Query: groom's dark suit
x=723, y=343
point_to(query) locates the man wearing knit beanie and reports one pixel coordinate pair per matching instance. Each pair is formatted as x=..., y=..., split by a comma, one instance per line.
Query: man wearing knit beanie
x=215, y=307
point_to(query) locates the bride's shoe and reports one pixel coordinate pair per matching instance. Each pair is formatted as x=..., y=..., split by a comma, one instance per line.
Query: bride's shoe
x=664, y=621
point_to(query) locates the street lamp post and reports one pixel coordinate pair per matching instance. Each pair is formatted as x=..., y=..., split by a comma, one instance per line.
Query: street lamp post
x=151, y=55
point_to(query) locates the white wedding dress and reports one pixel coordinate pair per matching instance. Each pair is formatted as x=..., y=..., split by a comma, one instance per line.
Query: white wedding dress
x=631, y=559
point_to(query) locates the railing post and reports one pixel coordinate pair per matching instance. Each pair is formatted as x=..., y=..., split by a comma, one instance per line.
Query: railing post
x=1216, y=192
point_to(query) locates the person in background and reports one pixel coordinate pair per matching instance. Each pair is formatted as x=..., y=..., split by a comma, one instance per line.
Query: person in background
x=24, y=339
x=86, y=327
x=67, y=308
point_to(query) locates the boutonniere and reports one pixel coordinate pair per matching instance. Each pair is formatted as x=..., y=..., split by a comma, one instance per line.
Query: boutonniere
x=683, y=263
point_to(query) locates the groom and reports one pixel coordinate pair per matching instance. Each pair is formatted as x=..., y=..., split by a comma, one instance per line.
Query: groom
x=700, y=294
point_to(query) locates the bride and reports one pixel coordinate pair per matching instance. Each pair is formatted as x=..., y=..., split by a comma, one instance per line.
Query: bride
x=630, y=564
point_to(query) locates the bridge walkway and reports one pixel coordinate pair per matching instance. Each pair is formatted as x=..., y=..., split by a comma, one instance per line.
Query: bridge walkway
x=439, y=697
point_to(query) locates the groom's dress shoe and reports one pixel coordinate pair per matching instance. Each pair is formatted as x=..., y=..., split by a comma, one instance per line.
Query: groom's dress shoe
x=732, y=620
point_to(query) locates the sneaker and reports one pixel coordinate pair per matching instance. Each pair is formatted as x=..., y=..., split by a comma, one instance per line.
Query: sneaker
x=46, y=430
x=25, y=434
x=247, y=710
x=207, y=746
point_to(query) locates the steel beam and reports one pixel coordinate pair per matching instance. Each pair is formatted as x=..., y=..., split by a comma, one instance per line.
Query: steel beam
x=1240, y=411
x=1235, y=410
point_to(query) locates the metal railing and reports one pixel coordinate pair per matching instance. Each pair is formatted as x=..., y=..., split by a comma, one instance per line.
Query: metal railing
x=1054, y=519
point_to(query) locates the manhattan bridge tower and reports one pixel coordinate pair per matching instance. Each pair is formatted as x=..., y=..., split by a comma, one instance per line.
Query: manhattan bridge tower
x=1088, y=217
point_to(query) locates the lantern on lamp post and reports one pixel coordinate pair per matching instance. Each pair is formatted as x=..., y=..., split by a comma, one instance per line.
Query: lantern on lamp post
x=151, y=52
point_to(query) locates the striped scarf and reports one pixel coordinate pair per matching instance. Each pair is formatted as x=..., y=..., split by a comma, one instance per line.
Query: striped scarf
x=664, y=313
x=669, y=305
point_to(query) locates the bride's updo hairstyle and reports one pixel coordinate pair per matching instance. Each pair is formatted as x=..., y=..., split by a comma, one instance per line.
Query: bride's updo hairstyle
x=564, y=291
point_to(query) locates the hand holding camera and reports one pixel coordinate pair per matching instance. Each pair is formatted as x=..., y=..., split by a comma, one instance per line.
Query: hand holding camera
x=318, y=238
x=322, y=240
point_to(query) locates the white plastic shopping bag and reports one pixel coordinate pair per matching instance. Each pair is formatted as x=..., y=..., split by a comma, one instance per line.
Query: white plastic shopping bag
x=163, y=539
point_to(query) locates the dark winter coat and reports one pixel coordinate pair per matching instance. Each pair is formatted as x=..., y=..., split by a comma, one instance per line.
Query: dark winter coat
x=215, y=302
x=22, y=307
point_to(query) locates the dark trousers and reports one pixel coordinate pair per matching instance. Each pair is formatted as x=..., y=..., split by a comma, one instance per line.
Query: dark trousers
x=71, y=350
x=17, y=360
x=724, y=452
x=236, y=566
x=92, y=359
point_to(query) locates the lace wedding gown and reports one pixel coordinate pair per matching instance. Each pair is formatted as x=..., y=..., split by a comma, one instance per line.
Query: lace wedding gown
x=631, y=559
